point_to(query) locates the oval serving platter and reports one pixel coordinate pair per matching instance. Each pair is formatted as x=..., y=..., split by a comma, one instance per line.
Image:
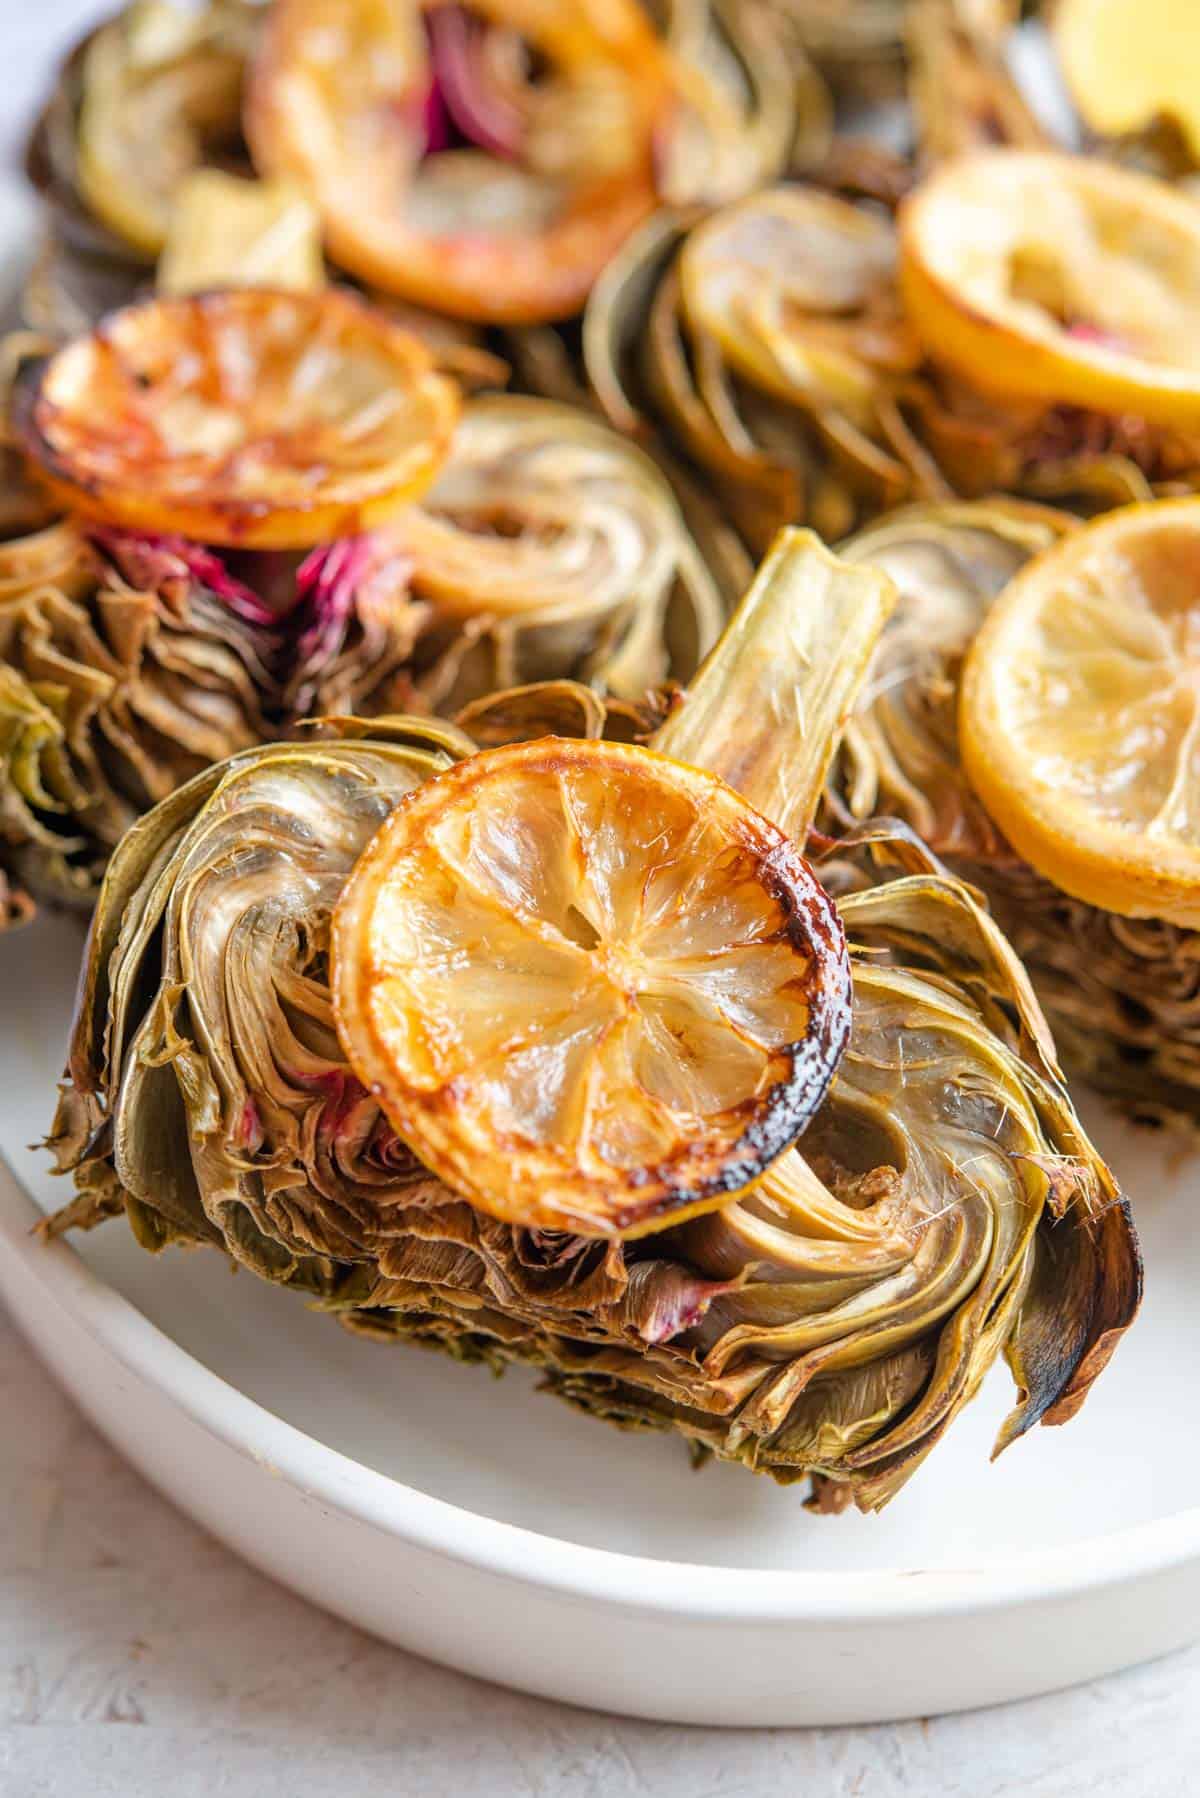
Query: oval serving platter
x=491, y=1528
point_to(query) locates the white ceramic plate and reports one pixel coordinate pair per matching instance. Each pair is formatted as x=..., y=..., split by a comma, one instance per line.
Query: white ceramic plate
x=490, y=1527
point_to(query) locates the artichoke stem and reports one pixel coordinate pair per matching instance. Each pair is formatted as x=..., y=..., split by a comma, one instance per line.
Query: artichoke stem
x=767, y=708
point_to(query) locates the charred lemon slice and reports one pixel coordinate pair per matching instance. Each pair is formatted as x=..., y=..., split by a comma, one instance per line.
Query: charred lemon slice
x=591, y=987
x=486, y=159
x=250, y=419
x=1079, y=718
x=1057, y=278
x=1129, y=62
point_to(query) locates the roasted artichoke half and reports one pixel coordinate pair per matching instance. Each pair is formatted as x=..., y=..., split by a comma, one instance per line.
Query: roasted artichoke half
x=827, y=1321
x=549, y=547
x=1122, y=994
x=773, y=347
x=764, y=343
x=152, y=104
x=145, y=100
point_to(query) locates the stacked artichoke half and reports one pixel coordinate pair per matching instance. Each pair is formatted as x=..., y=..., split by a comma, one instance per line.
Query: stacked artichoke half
x=829, y=1319
x=1122, y=993
x=548, y=547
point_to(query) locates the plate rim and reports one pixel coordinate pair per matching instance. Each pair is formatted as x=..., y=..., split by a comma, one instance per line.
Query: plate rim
x=617, y=1580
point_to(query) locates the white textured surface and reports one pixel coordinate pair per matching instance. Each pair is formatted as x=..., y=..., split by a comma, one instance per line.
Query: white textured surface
x=139, y=1659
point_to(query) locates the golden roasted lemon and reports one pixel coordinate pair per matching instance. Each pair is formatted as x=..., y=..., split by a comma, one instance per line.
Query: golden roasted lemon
x=1129, y=62
x=1079, y=719
x=254, y=419
x=1044, y=276
x=486, y=161
x=590, y=986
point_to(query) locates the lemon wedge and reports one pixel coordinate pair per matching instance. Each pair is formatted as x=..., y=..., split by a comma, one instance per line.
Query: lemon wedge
x=1128, y=62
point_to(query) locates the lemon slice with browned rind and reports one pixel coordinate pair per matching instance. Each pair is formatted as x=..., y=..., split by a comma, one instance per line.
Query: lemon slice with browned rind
x=1080, y=712
x=590, y=986
x=255, y=419
x=1043, y=276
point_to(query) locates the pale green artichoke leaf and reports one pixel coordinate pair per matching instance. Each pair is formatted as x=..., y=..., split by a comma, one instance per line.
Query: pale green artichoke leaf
x=615, y=317
x=541, y=708
x=71, y=286
x=205, y=1016
x=748, y=95
x=941, y=922
x=143, y=675
x=765, y=710
x=31, y=732
x=44, y=845
x=899, y=754
x=151, y=1123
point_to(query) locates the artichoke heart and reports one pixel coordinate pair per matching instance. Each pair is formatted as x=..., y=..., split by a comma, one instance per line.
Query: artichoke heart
x=943, y=1208
x=551, y=547
x=765, y=343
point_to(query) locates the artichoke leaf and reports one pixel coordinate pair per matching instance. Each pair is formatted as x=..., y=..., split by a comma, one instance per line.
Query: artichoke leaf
x=215, y=899
x=962, y=93
x=614, y=320
x=765, y=711
x=160, y=92
x=141, y=676
x=749, y=97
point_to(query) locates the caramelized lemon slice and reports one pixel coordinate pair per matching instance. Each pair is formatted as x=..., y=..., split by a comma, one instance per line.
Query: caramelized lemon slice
x=484, y=160
x=591, y=987
x=253, y=419
x=1128, y=62
x=1057, y=278
x=1079, y=717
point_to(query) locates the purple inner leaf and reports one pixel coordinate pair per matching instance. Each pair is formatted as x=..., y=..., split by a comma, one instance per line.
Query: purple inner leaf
x=436, y=125
x=327, y=584
x=310, y=607
x=150, y=561
x=462, y=95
